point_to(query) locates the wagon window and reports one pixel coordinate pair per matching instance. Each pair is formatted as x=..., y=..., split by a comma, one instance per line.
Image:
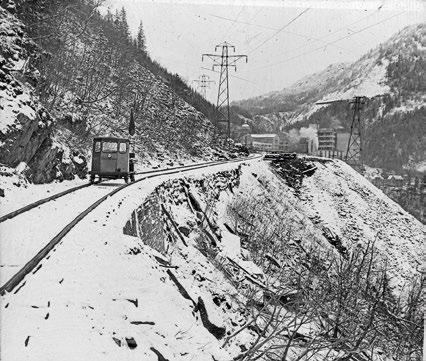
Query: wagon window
x=97, y=147
x=109, y=147
x=123, y=147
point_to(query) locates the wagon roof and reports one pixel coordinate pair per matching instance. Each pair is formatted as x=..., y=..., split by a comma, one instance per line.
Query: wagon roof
x=112, y=138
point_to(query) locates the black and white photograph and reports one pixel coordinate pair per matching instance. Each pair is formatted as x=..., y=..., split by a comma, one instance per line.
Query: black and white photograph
x=212, y=180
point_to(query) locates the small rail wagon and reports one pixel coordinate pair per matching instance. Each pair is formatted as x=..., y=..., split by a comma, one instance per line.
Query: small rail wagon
x=112, y=159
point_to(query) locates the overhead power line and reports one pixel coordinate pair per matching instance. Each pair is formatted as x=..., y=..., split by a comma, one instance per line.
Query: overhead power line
x=233, y=76
x=278, y=31
x=329, y=43
x=225, y=35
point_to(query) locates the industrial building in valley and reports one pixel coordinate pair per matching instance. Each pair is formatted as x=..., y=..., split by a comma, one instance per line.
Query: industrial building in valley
x=332, y=143
x=279, y=142
x=326, y=142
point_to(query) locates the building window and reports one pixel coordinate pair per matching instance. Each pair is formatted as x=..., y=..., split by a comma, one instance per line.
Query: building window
x=97, y=147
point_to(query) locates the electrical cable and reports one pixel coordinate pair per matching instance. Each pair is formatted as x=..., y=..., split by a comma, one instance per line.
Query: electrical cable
x=278, y=31
x=329, y=43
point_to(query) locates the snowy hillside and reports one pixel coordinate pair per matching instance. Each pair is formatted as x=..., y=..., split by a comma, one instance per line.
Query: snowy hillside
x=67, y=74
x=227, y=263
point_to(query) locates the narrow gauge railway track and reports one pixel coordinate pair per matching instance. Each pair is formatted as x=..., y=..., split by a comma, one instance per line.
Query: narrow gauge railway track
x=33, y=265
x=39, y=202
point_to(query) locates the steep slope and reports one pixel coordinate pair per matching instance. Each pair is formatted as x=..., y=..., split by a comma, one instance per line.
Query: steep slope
x=229, y=263
x=68, y=74
x=25, y=125
x=394, y=70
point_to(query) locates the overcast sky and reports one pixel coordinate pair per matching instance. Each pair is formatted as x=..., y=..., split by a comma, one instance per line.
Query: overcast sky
x=284, y=40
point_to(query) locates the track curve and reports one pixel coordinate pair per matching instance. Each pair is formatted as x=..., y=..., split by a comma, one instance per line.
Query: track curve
x=35, y=204
x=31, y=265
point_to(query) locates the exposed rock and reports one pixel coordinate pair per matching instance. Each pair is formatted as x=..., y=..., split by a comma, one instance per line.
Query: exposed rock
x=185, y=230
x=159, y=355
x=131, y=342
x=25, y=126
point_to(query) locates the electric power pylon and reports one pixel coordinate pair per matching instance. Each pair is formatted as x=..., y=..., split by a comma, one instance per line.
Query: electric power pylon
x=355, y=142
x=203, y=83
x=225, y=61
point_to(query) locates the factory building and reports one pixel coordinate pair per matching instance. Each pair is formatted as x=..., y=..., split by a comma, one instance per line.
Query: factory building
x=281, y=142
x=327, y=139
x=265, y=142
x=332, y=143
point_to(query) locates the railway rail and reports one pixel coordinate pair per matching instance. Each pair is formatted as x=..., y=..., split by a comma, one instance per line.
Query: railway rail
x=32, y=265
x=39, y=202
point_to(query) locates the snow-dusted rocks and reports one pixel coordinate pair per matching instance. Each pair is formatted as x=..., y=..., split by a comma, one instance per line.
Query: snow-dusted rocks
x=186, y=277
x=25, y=125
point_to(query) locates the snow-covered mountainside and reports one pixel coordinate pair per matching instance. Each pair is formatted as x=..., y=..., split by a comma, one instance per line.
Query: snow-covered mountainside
x=232, y=263
x=67, y=74
x=395, y=71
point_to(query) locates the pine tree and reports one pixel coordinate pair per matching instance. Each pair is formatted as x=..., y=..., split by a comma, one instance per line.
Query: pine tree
x=120, y=23
x=109, y=17
x=124, y=27
x=141, y=42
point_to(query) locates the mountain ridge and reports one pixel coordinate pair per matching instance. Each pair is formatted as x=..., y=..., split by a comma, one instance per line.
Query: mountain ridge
x=394, y=70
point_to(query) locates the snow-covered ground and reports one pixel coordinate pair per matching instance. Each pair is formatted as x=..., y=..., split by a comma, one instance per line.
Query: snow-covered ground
x=18, y=192
x=78, y=300
x=340, y=199
x=93, y=292
x=44, y=222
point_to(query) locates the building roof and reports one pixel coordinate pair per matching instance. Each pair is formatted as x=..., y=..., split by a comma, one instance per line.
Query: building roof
x=326, y=130
x=264, y=135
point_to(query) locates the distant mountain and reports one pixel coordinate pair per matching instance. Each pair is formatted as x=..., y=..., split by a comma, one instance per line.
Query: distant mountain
x=394, y=122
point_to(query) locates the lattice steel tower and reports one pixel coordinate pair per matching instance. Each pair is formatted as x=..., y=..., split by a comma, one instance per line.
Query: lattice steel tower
x=355, y=143
x=225, y=61
x=203, y=83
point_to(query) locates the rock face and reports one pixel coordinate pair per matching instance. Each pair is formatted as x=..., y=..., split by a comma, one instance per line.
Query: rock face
x=22, y=140
x=25, y=126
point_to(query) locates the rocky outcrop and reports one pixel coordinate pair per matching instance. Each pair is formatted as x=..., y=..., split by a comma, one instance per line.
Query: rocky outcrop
x=25, y=126
x=24, y=137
